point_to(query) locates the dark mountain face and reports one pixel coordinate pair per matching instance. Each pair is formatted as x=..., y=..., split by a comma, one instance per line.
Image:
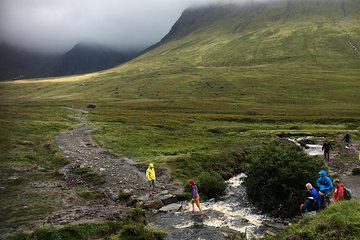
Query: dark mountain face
x=18, y=63
x=82, y=58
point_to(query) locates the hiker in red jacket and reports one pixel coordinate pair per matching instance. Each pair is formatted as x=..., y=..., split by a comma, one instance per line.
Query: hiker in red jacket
x=339, y=190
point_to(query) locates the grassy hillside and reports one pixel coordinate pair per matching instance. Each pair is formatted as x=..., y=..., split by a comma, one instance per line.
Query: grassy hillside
x=340, y=221
x=224, y=88
x=289, y=59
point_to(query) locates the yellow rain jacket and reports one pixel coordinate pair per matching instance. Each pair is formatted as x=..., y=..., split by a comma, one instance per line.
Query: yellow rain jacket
x=150, y=172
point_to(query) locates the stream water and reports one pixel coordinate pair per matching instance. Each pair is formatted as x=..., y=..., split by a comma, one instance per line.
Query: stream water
x=230, y=214
x=313, y=149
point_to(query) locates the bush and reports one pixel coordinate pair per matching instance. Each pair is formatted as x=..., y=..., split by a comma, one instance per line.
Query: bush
x=226, y=164
x=87, y=194
x=123, y=195
x=211, y=185
x=277, y=177
x=88, y=175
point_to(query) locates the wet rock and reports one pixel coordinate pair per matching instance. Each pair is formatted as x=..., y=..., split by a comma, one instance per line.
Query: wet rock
x=198, y=221
x=274, y=225
x=155, y=204
x=164, y=192
x=168, y=199
x=174, y=207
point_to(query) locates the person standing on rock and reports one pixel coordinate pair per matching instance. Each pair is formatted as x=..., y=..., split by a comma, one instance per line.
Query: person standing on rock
x=150, y=175
x=326, y=148
x=195, y=196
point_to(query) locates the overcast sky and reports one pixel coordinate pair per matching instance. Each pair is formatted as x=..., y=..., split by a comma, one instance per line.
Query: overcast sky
x=57, y=25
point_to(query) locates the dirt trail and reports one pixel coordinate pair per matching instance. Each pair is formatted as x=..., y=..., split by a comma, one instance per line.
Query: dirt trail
x=120, y=174
x=344, y=168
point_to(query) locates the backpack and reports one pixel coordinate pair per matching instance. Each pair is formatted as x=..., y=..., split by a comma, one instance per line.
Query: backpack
x=347, y=193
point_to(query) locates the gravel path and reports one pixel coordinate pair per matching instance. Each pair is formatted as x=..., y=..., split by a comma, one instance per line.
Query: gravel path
x=120, y=174
x=344, y=168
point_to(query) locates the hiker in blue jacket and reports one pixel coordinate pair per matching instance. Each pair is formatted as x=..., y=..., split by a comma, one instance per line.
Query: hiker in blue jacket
x=324, y=183
x=314, y=194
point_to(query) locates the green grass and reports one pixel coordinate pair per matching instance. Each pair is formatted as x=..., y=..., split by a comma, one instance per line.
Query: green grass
x=29, y=159
x=131, y=227
x=87, y=194
x=88, y=175
x=340, y=220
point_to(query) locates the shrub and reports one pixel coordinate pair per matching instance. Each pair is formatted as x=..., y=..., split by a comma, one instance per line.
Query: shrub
x=87, y=194
x=211, y=185
x=123, y=195
x=277, y=177
x=88, y=175
x=226, y=164
x=137, y=215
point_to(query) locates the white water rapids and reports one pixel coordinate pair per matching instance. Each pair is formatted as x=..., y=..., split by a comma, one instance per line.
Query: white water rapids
x=232, y=211
x=230, y=214
x=310, y=149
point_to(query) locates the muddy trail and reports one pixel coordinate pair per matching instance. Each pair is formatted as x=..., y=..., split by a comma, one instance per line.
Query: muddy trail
x=343, y=169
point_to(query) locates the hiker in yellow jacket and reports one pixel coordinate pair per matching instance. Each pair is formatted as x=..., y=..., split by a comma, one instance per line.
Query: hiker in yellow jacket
x=150, y=175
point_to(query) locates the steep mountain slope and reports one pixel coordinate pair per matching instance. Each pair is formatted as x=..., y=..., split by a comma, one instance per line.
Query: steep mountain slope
x=320, y=32
x=16, y=63
x=82, y=58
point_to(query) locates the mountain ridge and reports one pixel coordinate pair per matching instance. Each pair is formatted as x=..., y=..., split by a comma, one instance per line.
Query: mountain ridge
x=82, y=58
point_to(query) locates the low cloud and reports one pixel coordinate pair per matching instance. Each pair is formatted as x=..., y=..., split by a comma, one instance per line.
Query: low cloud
x=56, y=26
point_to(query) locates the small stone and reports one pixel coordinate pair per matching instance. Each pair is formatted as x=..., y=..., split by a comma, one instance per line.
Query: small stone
x=164, y=192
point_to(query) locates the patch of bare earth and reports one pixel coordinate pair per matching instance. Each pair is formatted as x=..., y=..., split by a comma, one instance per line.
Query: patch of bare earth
x=343, y=162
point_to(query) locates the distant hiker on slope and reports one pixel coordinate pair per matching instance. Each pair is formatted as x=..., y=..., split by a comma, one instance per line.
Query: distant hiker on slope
x=326, y=148
x=150, y=175
x=315, y=194
x=347, y=139
x=339, y=191
x=325, y=185
x=195, y=196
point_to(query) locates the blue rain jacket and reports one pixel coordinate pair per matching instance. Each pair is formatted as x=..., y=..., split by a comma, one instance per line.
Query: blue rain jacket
x=324, y=183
